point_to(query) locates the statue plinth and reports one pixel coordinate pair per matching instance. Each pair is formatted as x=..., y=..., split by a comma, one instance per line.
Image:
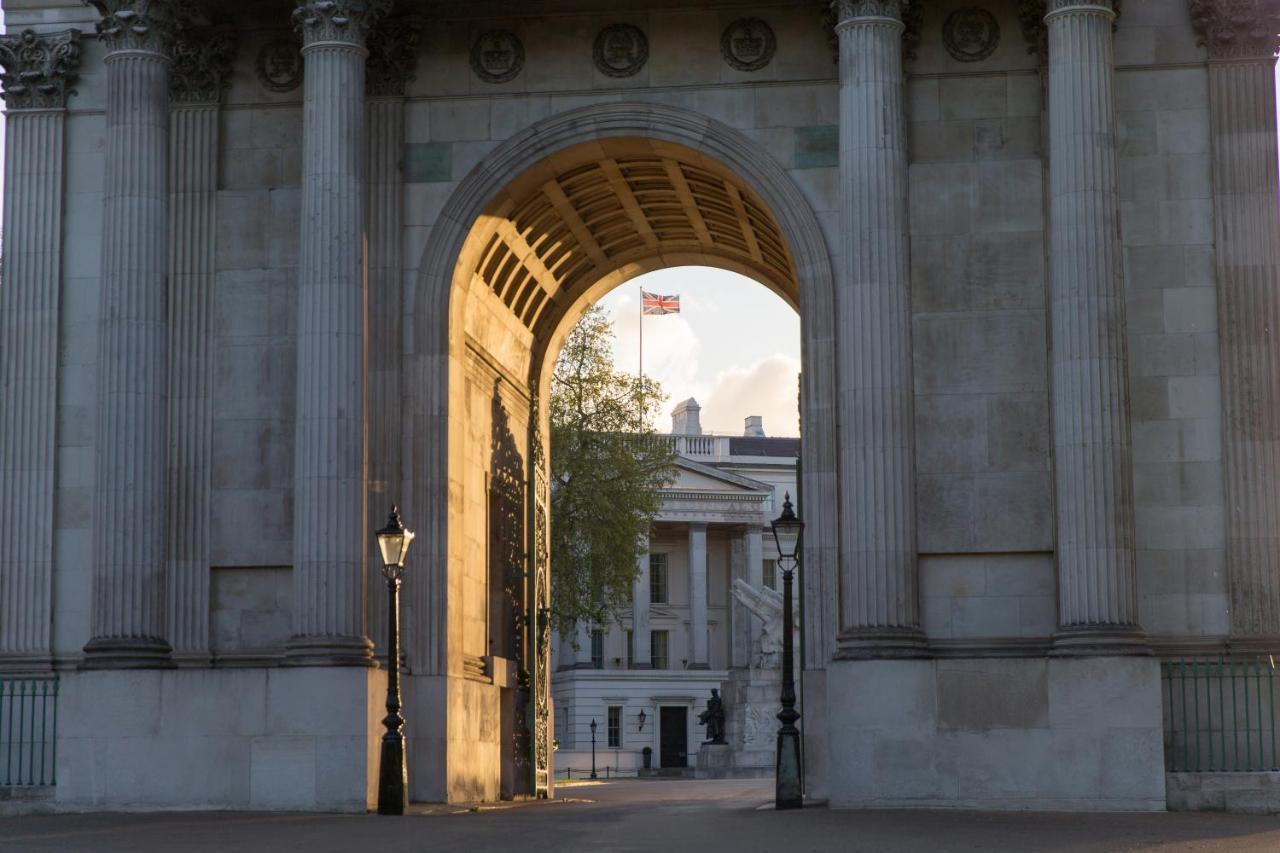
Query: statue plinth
x=715, y=761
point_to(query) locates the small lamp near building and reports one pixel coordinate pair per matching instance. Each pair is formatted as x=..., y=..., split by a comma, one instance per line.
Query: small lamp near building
x=393, y=775
x=788, y=791
x=593, y=748
x=641, y=718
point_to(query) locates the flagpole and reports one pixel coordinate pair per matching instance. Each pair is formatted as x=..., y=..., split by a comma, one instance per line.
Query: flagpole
x=641, y=371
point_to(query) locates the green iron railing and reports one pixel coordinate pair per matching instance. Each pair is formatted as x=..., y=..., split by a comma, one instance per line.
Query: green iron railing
x=1220, y=714
x=28, y=730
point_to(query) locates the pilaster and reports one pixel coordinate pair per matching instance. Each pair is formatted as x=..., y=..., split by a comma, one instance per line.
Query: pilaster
x=129, y=623
x=641, y=651
x=331, y=446
x=201, y=66
x=392, y=57
x=38, y=69
x=879, y=609
x=1097, y=578
x=698, y=638
x=1241, y=41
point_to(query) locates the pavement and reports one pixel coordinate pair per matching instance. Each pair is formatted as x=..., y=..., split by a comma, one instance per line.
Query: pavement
x=667, y=816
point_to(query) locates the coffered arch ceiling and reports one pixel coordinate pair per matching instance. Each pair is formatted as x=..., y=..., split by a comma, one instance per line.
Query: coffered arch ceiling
x=611, y=209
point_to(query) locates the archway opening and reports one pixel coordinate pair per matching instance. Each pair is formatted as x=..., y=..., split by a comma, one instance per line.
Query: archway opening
x=521, y=251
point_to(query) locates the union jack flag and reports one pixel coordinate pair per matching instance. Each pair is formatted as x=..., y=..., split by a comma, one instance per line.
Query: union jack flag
x=656, y=303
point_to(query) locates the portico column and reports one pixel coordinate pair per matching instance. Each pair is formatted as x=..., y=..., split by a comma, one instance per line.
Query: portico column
x=38, y=69
x=128, y=622
x=331, y=444
x=641, y=651
x=698, y=640
x=1241, y=40
x=582, y=654
x=879, y=586
x=1097, y=596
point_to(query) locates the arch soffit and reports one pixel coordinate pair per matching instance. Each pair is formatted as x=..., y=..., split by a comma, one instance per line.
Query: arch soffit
x=651, y=137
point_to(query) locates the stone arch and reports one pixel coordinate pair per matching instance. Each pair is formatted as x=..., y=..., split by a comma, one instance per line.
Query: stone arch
x=789, y=255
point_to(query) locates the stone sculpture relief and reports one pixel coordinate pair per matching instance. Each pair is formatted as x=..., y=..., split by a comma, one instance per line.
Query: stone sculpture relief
x=279, y=65
x=748, y=44
x=970, y=34
x=766, y=605
x=497, y=56
x=621, y=50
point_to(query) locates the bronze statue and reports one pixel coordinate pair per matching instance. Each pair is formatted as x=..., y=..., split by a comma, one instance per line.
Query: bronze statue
x=713, y=718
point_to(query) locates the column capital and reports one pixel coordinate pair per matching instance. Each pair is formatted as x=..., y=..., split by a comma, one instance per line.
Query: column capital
x=1238, y=29
x=393, y=56
x=201, y=68
x=850, y=12
x=144, y=25
x=341, y=21
x=39, y=68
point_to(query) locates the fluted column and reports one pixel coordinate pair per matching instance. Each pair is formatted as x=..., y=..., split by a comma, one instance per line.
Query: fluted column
x=698, y=639
x=331, y=445
x=37, y=70
x=201, y=65
x=641, y=651
x=129, y=587
x=1241, y=40
x=879, y=608
x=392, y=48
x=1097, y=597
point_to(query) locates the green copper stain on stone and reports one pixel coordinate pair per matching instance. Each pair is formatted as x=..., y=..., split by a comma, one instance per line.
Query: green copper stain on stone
x=428, y=162
x=817, y=147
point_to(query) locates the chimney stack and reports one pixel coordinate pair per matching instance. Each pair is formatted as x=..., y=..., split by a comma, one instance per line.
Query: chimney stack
x=685, y=420
x=754, y=427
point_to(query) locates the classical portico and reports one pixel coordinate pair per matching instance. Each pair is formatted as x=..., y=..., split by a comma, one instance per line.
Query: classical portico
x=270, y=268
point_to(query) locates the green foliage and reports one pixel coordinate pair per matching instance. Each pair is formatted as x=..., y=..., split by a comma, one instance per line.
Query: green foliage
x=607, y=472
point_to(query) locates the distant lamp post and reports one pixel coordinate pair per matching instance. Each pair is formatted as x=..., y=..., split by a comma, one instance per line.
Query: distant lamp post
x=593, y=748
x=788, y=792
x=393, y=776
x=641, y=716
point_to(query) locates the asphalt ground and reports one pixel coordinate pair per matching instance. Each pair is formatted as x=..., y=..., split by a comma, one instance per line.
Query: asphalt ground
x=666, y=816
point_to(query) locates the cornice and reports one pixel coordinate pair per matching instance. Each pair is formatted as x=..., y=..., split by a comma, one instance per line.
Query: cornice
x=39, y=68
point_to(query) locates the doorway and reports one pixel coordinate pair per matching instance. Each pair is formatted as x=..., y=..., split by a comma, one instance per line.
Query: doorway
x=673, y=738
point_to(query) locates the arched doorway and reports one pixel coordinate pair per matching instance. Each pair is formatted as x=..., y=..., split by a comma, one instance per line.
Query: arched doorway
x=550, y=221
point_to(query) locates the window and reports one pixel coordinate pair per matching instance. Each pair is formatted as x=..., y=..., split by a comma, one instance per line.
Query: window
x=658, y=578
x=630, y=648
x=771, y=574
x=658, y=649
x=597, y=648
x=615, y=726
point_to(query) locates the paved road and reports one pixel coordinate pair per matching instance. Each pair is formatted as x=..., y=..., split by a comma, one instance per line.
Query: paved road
x=667, y=816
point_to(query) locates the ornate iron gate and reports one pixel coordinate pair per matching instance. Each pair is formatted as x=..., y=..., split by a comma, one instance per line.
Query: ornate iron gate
x=539, y=598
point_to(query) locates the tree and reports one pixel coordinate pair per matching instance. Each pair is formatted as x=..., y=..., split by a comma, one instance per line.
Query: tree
x=608, y=470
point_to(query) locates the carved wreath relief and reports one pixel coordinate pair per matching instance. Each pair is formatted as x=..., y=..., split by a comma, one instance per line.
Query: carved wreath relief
x=279, y=65
x=748, y=44
x=497, y=56
x=621, y=50
x=970, y=34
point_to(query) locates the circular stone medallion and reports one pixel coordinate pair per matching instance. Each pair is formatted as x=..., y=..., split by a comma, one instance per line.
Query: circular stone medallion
x=621, y=50
x=748, y=44
x=497, y=56
x=279, y=65
x=970, y=34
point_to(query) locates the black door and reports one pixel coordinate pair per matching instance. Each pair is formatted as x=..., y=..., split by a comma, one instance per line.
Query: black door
x=674, y=725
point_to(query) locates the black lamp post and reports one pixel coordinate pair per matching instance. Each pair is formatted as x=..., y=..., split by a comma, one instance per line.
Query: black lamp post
x=393, y=776
x=788, y=793
x=593, y=748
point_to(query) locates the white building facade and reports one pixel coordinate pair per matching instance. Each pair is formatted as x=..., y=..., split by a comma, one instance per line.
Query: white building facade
x=685, y=632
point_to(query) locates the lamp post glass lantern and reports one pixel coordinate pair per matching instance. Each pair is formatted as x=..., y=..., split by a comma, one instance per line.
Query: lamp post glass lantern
x=593, y=748
x=788, y=791
x=393, y=775
x=641, y=717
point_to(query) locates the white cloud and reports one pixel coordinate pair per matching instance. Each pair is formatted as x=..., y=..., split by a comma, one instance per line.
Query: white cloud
x=766, y=388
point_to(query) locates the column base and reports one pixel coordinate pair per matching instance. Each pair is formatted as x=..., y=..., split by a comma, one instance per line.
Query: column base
x=1100, y=640
x=329, y=651
x=26, y=664
x=876, y=643
x=127, y=653
x=698, y=666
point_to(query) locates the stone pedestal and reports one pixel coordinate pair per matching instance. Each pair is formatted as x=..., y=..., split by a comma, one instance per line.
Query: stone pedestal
x=752, y=700
x=715, y=761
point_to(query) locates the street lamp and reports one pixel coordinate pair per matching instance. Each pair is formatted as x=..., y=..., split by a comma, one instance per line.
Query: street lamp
x=788, y=794
x=593, y=748
x=393, y=776
x=642, y=719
